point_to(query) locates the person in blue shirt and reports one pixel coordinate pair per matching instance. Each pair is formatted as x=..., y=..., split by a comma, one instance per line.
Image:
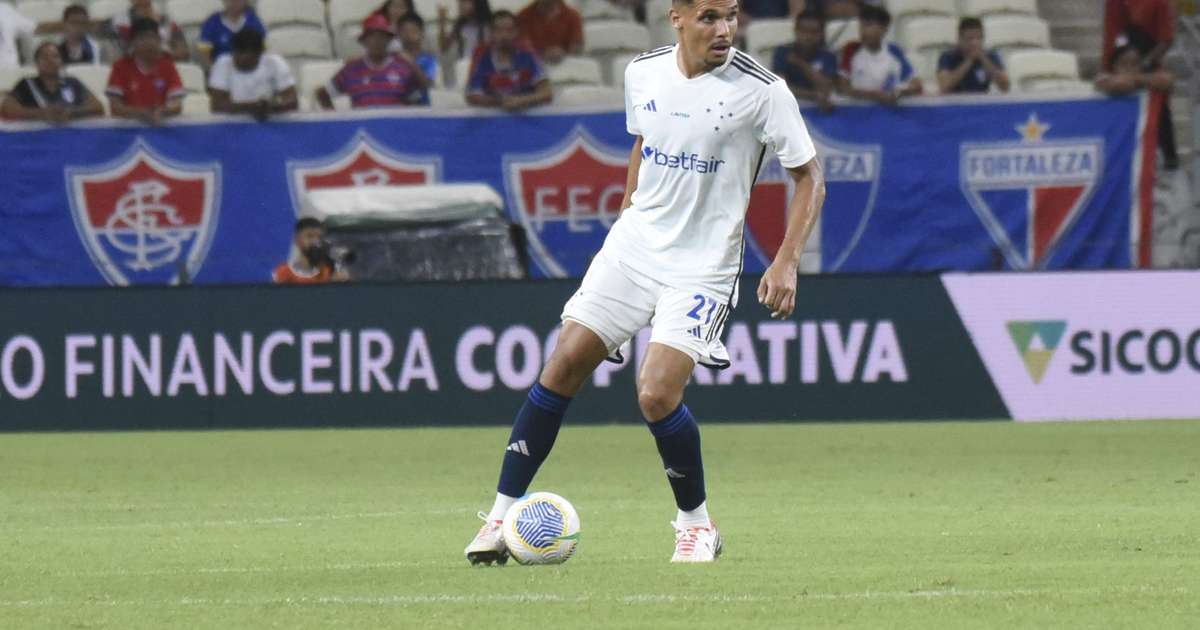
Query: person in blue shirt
x=809, y=68
x=216, y=35
x=971, y=68
x=410, y=45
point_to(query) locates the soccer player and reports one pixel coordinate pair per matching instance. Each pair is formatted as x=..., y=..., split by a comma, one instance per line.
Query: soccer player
x=703, y=114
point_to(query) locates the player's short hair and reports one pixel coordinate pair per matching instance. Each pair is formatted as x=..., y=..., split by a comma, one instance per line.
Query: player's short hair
x=73, y=10
x=503, y=14
x=969, y=24
x=248, y=40
x=411, y=18
x=141, y=26
x=809, y=15
x=306, y=223
x=871, y=14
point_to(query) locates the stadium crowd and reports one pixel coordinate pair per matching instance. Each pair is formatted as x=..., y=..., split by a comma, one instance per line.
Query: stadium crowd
x=512, y=57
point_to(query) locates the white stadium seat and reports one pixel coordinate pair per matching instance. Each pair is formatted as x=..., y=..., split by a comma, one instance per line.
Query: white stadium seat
x=94, y=78
x=345, y=44
x=343, y=12
x=300, y=42
x=191, y=13
x=981, y=8
x=925, y=39
x=902, y=9
x=192, y=77
x=605, y=38
x=575, y=71
x=509, y=5
x=1040, y=69
x=10, y=75
x=315, y=74
x=616, y=70
x=838, y=33
x=601, y=10
x=447, y=99
x=101, y=10
x=197, y=105
x=583, y=95
x=767, y=34
x=462, y=73
x=1014, y=32
x=42, y=11
x=276, y=13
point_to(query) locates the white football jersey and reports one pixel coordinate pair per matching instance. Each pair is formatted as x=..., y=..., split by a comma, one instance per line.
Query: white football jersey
x=704, y=140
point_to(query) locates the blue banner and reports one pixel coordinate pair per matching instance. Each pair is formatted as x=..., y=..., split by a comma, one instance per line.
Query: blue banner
x=933, y=186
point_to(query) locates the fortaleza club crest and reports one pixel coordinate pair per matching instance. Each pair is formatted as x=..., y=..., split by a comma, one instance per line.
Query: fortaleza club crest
x=1030, y=192
x=568, y=195
x=143, y=218
x=364, y=161
x=852, y=184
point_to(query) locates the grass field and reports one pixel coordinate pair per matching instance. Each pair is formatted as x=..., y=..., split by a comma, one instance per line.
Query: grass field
x=865, y=525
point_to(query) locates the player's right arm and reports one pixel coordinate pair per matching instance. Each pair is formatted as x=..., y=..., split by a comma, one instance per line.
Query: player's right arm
x=631, y=177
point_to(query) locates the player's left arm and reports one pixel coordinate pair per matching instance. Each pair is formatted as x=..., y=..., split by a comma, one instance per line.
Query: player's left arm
x=631, y=176
x=777, y=290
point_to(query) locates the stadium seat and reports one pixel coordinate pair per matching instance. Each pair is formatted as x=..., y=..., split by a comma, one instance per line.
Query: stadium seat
x=101, y=10
x=191, y=13
x=197, y=105
x=661, y=32
x=981, y=8
x=1013, y=32
x=929, y=35
x=838, y=33
x=903, y=9
x=94, y=78
x=766, y=35
x=192, y=76
x=345, y=43
x=10, y=75
x=462, y=71
x=601, y=10
x=1032, y=70
x=604, y=38
x=616, y=69
x=42, y=11
x=301, y=42
x=575, y=71
x=345, y=12
x=315, y=74
x=510, y=5
x=447, y=99
x=588, y=95
x=275, y=13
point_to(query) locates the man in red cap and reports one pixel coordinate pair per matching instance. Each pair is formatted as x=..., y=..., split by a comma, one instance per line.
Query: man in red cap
x=380, y=79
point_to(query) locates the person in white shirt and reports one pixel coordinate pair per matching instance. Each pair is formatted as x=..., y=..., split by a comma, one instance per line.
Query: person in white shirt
x=704, y=115
x=252, y=81
x=13, y=26
x=874, y=69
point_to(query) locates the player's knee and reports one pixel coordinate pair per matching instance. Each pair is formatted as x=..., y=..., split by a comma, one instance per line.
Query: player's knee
x=564, y=374
x=657, y=402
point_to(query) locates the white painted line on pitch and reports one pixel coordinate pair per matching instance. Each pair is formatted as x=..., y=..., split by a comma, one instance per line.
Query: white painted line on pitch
x=409, y=600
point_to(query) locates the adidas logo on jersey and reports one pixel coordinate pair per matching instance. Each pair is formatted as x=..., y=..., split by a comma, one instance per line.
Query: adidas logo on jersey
x=518, y=447
x=682, y=161
x=649, y=106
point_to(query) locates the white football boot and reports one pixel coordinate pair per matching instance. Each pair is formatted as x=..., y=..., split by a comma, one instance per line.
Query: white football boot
x=488, y=546
x=697, y=544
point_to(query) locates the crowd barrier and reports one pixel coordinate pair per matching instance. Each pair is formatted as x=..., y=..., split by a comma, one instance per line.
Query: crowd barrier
x=958, y=346
x=936, y=185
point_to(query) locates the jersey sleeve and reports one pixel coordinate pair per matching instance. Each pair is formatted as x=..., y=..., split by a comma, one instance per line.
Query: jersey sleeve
x=631, y=124
x=175, y=89
x=906, y=68
x=116, y=80
x=478, y=77
x=781, y=127
x=221, y=77
x=23, y=94
x=340, y=82
x=281, y=74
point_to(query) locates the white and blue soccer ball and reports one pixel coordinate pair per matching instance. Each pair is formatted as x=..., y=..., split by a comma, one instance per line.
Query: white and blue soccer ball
x=541, y=528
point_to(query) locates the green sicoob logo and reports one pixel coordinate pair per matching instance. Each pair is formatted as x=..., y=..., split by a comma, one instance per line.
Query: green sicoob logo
x=1036, y=342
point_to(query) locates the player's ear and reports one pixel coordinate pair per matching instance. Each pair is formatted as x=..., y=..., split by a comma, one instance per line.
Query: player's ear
x=676, y=18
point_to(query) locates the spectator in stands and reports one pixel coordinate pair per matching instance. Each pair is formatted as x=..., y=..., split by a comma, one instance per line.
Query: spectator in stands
x=832, y=9
x=380, y=78
x=809, y=68
x=309, y=261
x=216, y=35
x=250, y=81
x=470, y=31
x=13, y=26
x=410, y=44
x=874, y=69
x=50, y=96
x=144, y=85
x=554, y=29
x=971, y=68
x=1148, y=26
x=77, y=46
x=1126, y=73
x=394, y=10
x=172, y=37
x=507, y=75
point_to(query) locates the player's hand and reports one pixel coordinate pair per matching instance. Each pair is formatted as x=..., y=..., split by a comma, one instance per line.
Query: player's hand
x=777, y=289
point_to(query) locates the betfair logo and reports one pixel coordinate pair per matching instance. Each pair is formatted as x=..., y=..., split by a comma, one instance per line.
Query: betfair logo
x=1036, y=342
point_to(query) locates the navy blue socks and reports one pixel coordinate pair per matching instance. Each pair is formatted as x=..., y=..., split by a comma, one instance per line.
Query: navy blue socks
x=533, y=436
x=678, y=439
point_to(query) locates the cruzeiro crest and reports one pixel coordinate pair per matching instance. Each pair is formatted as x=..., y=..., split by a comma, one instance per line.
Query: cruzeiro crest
x=364, y=161
x=1030, y=192
x=145, y=219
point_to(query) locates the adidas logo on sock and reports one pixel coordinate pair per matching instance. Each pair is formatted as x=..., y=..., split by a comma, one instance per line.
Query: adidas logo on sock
x=673, y=474
x=518, y=447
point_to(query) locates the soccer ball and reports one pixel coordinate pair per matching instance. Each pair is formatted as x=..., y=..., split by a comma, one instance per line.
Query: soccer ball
x=541, y=528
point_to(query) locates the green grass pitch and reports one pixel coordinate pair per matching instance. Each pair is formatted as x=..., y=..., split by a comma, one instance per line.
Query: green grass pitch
x=952, y=525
